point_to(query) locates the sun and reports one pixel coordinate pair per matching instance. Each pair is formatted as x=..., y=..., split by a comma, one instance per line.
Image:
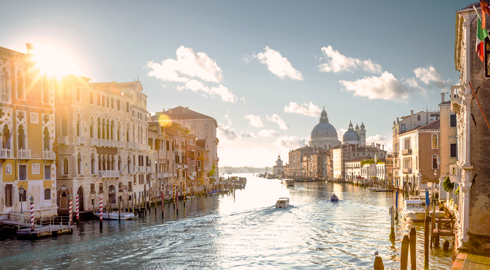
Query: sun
x=54, y=61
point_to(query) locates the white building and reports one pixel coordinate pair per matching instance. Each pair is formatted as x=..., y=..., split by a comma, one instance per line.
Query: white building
x=279, y=168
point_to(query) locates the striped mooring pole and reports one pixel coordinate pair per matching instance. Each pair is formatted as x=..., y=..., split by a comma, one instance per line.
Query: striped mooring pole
x=31, y=201
x=70, y=214
x=184, y=193
x=78, y=208
x=173, y=192
x=101, y=208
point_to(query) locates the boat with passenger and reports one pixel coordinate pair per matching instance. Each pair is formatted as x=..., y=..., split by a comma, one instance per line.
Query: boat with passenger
x=334, y=198
x=282, y=202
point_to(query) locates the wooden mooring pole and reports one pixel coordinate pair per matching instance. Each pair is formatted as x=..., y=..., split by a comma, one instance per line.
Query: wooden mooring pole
x=413, y=248
x=392, y=233
x=404, y=253
x=426, y=242
x=378, y=263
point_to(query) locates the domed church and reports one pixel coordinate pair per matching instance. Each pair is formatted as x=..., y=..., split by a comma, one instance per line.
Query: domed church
x=356, y=137
x=324, y=135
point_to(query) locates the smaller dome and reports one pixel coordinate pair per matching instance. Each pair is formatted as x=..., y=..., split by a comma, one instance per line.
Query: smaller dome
x=350, y=135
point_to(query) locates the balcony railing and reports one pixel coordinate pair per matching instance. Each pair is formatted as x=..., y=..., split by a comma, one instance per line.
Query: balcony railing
x=454, y=173
x=80, y=140
x=406, y=171
x=23, y=153
x=130, y=145
x=109, y=173
x=5, y=153
x=63, y=140
x=94, y=142
x=406, y=151
x=49, y=155
x=122, y=145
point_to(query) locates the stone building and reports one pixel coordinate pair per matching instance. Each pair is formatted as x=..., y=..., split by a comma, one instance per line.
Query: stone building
x=296, y=161
x=345, y=152
x=448, y=151
x=27, y=128
x=102, y=142
x=473, y=134
x=202, y=164
x=279, y=168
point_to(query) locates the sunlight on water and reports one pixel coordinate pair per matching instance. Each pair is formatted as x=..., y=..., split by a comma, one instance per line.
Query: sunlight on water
x=239, y=230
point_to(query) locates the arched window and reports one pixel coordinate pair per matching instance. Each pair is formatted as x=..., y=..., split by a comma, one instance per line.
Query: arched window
x=45, y=90
x=4, y=85
x=47, y=194
x=79, y=126
x=6, y=137
x=118, y=131
x=79, y=164
x=103, y=129
x=108, y=128
x=91, y=127
x=92, y=164
x=418, y=117
x=119, y=163
x=98, y=128
x=65, y=167
x=112, y=130
x=129, y=165
x=434, y=141
x=100, y=162
x=20, y=86
x=46, y=139
x=64, y=125
x=21, y=138
x=127, y=133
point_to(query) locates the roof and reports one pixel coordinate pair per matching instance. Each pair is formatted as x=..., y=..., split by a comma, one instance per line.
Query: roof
x=357, y=159
x=432, y=125
x=182, y=113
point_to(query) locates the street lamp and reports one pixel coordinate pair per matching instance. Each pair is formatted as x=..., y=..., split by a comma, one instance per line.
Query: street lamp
x=22, y=193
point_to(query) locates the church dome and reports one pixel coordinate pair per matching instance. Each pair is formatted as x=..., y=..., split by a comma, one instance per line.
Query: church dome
x=350, y=135
x=324, y=129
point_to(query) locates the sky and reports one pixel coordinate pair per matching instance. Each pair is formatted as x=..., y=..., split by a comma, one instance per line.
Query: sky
x=263, y=69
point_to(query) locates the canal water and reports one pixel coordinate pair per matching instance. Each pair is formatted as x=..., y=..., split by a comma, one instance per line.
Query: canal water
x=240, y=230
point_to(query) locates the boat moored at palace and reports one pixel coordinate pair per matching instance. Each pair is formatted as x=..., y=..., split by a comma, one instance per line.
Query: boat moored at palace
x=115, y=215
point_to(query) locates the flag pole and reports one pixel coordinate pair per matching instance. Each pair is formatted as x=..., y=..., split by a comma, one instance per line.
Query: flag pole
x=476, y=11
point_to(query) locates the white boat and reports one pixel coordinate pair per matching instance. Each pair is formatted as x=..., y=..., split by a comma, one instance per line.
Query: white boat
x=414, y=211
x=282, y=202
x=115, y=215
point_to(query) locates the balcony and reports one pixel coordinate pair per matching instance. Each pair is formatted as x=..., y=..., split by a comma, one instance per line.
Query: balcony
x=454, y=173
x=49, y=155
x=161, y=175
x=179, y=166
x=130, y=145
x=122, y=145
x=63, y=140
x=406, y=171
x=148, y=168
x=109, y=174
x=24, y=154
x=80, y=140
x=94, y=142
x=406, y=152
x=455, y=98
x=5, y=153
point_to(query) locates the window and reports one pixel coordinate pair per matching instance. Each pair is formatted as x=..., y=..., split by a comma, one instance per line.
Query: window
x=98, y=99
x=34, y=118
x=47, y=194
x=452, y=120
x=108, y=102
x=454, y=150
x=403, y=127
x=435, y=166
x=4, y=85
x=22, y=172
x=118, y=105
x=47, y=172
x=78, y=95
x=112, y=103
x=79, y=164
x=91, y=97
x=23, y=196
x=198, y=154
x=199, y=164
x=65, y=167
x=8, y=194
x=36, y=169
x=103, y=101
x=20, y=86
x=101, y=188
x=92, y=164
x=92, y=190
x=127, y=106
x=418, y=117
x=21, y=138
x=64, y=125
x=64, y=93
x=434, y=141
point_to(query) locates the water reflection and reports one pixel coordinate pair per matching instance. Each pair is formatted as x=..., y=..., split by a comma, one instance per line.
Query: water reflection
x=241, y=230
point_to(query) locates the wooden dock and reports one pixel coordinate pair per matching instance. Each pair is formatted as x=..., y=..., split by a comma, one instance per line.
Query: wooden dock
x=43, y=227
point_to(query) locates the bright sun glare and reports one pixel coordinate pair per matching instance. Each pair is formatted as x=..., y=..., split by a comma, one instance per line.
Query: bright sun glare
x=54, y=61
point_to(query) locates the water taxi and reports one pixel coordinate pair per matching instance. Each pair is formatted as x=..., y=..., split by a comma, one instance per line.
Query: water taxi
x=288, y=182
x=334, y=198
x=282, y=202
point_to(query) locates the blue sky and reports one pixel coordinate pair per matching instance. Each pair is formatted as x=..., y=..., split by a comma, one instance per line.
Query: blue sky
x=365, y=61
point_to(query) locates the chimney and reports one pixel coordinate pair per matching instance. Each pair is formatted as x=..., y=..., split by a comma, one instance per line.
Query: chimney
x=442, y=97
x=30, y=47
x=398, y=120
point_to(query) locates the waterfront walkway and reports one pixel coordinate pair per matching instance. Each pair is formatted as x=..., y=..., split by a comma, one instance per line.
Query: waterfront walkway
x=471, y=261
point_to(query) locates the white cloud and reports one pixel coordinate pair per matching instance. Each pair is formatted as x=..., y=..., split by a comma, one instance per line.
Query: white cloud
x=247, y=134
x=278, y=65
x=387, y=141
x=306, y=109
x=385, y=87
x=277, y=119
x=340, y=133
x=257, y=156
x=265, y=133
x=290, y=142
x=193, y=71
x=228, y=119
x=338, y=62
x=226, y=133
x=254, y=120
x=431, y=76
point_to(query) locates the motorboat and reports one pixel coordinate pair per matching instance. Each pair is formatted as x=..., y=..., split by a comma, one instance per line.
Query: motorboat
x=414, y=211
x=115, y=215
x=282, y=202
x=288, y=182
x=334, y=198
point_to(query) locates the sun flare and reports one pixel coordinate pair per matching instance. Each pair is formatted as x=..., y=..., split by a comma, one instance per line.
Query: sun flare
x=54, y=61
